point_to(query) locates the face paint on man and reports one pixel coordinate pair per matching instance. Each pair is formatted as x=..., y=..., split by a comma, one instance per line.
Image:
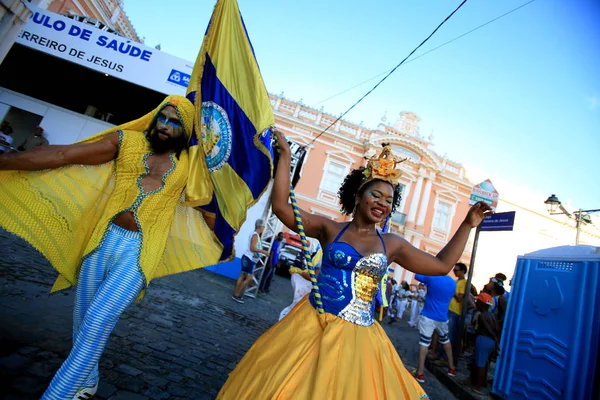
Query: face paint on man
x=168, y=124
x=167, y=133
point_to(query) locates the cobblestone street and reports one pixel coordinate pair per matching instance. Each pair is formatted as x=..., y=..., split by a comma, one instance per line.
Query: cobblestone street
x=179, y=342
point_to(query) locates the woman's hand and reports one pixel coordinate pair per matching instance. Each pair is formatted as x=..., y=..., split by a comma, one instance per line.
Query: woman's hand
x=284, y=147
x=477, y=213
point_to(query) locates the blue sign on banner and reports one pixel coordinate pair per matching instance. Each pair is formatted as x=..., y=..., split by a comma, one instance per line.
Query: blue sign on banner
x=179, y=78
x=499, y=222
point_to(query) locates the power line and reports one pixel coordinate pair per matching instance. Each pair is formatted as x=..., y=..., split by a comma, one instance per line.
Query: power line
x=427, y=52
x=389, y=73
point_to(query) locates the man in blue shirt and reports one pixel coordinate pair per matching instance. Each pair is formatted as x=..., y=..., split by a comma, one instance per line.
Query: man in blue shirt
x=440, y=290
x=271, y=264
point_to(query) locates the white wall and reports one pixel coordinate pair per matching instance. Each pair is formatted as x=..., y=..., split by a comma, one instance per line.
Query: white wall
x=533, y=230
x=255, y=212
x=60, y=125
x=3, y=110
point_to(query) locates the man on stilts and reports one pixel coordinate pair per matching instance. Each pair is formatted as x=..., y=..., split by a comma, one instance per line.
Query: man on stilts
x=159, y=195
x=126, y=184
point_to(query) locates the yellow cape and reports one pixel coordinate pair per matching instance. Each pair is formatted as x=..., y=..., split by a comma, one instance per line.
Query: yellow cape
x=57, y=210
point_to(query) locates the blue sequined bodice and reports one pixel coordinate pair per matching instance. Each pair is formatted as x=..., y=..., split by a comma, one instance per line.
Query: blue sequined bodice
x=349, y=282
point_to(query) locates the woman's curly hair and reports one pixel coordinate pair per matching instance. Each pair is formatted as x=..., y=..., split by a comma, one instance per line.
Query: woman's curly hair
x=350, y=187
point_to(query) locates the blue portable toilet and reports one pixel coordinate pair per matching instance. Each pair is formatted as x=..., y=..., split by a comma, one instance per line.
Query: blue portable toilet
x=549, y=346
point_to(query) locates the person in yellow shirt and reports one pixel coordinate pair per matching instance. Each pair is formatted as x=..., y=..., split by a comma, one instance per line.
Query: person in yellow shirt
x=105, y=213
x=460, y=271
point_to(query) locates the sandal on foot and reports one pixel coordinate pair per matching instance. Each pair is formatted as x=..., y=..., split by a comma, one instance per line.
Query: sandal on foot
x=86, y=393
x=478, y=391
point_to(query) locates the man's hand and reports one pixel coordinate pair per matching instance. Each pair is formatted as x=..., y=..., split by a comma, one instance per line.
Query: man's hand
x=477, y=213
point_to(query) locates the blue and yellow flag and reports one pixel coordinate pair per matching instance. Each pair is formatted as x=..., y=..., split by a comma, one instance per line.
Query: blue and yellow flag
x=231, y=142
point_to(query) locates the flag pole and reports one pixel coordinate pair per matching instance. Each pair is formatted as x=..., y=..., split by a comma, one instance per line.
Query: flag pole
x=467, y=295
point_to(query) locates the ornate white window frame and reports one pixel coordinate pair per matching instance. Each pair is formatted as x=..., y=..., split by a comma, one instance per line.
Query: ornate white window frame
x=338, y=158
x=451, y=199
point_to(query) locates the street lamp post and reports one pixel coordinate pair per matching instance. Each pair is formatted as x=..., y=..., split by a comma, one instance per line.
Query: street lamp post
x=581, y=216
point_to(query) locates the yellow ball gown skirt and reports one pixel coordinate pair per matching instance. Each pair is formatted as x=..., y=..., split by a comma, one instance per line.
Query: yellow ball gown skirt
x=300, y=359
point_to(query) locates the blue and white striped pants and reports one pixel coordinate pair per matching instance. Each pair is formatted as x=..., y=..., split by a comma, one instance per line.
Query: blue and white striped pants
x=108, y=282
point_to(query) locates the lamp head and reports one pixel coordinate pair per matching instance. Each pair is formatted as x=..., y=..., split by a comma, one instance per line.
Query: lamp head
x=552, y=203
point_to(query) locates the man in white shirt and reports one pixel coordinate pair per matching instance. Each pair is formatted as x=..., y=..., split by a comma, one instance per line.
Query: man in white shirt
x=5, y=139
x=417, y=305
x=249, y=260
x=36, y=140
x=399, y=301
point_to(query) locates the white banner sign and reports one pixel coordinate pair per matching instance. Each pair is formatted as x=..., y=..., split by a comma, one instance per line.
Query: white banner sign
x=105, y=52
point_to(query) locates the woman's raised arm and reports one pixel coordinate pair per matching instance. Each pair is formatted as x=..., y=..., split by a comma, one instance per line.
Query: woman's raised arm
x=418, y=261
x=314, y=225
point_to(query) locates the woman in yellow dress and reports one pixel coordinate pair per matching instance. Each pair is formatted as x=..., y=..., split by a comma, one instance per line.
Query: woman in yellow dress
x=343, y=353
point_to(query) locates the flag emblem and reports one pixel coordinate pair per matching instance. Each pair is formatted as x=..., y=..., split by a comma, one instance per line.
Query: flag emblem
x=216, y=135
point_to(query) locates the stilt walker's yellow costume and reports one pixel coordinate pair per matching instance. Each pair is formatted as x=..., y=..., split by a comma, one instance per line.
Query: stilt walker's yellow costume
x=67, y=215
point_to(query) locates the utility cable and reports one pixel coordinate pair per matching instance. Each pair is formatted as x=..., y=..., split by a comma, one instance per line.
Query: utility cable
x=427, y=52
x=388, y=74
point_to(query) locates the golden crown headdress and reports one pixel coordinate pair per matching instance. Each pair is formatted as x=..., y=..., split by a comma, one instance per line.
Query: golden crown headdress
x=383, y=167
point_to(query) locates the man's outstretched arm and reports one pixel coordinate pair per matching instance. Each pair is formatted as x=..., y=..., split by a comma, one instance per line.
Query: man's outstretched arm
x=56, y=156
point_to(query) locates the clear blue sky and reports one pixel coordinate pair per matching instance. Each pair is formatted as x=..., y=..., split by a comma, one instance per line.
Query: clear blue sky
x=518, y=99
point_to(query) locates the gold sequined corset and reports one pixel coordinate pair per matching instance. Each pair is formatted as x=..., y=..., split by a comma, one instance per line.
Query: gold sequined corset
x=349, y=282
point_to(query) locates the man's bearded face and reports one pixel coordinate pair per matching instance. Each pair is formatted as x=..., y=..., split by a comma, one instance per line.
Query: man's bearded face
x=168, y=133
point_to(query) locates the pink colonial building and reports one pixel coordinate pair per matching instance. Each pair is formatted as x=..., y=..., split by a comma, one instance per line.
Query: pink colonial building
x=435, y=192
x=103, y=14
